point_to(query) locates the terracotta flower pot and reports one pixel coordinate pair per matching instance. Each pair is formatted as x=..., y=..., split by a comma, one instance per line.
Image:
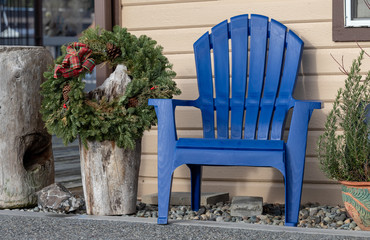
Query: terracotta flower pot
x=356, y=198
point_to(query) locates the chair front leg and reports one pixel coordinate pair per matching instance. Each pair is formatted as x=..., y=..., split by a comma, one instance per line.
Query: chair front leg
x=164, y=194
x=295, y=159
x=166, y=148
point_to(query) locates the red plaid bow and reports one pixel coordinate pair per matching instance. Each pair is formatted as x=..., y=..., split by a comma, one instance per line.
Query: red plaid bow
x=76, y=61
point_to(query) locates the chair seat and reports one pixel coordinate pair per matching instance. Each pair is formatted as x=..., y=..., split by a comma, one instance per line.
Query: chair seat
x=231, y=144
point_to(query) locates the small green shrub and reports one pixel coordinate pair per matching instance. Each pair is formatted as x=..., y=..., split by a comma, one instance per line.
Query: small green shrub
x=344, y=147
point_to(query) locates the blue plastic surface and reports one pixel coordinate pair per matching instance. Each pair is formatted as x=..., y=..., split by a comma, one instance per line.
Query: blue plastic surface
x=262, y=86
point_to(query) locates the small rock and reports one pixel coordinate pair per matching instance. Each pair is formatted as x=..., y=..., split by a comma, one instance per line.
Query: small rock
x=347, y=221
x=180, y=213
x=313, y=211
x=212, y=217
x=262, y=217
x=316, y=220
x=225, y=208
x=276, y=222
x=219, y=219
x=248, y=220
x=352, y=225
x=253, y=219
x=140, y=213
x=339, y=223
x=357, y=228
x=327, y=220
x=304, y=213
x=201, y=211
x=321, y=213
x=226, y=217
x=140, y=206
x=341, y=217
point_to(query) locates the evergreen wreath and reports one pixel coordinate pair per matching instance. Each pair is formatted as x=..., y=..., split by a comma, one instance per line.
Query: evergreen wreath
x=69, y=113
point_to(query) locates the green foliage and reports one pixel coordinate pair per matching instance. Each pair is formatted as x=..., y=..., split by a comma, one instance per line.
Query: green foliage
x=344, y=147
x=115, y=120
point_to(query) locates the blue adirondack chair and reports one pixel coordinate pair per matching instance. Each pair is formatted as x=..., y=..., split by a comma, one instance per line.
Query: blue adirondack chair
x=273, y=64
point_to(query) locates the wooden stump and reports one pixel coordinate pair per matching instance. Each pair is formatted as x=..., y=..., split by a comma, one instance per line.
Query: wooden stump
x=26, y=157
x=110, y=177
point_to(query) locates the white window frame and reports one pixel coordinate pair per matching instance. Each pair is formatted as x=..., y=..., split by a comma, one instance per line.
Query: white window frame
x=348, y=22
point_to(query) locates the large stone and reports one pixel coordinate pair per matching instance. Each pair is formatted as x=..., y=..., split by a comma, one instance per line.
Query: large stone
x=52, y=196
x=184, y=198
x=245, y=206
x=26, y=156
x=59, y=198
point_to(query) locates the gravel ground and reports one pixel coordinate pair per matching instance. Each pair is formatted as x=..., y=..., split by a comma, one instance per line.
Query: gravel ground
x=311, y=215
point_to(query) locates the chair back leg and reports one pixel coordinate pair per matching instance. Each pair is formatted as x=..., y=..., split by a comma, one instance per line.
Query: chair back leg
x=196, y=184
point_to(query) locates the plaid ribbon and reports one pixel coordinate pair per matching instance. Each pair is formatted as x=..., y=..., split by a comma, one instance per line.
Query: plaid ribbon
x=76, y=61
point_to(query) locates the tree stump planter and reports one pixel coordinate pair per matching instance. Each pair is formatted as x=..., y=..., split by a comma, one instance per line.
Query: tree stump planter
x=110, y=177
x=26, y=156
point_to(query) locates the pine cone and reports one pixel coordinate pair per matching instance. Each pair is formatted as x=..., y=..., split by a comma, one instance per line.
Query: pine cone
x=113, y=51
x=66, y=90
x=133, y=102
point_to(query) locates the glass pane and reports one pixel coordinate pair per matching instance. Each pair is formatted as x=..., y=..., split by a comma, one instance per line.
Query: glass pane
x=360, y=9
x=67, y=17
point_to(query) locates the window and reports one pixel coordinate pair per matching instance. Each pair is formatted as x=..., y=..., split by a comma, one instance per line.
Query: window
x=357, y=13
x=351, y=20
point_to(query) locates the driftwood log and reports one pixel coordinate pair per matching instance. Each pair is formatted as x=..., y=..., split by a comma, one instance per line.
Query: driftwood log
x=109, y=173
x=26, y=158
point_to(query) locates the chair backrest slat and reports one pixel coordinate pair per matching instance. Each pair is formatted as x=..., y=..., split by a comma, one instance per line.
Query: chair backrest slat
x=273, y=74
x=258, y=41
x=220, y=42
x=239, y=48
x=205, y=84
x=293, y=54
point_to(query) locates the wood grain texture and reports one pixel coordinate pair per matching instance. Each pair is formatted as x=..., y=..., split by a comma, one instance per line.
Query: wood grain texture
x=26, y=158
x=196, y=14
x=314, y=62
x=109, y=177
x=180, y=40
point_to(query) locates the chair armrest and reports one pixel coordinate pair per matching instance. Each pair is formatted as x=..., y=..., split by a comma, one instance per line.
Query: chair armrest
x=297, y=137
x=165, y=110
x=175, y=102
x=311, y=104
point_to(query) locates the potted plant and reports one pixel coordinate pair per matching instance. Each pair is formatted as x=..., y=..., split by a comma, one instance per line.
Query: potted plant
x=344, y=147
x=110, y=120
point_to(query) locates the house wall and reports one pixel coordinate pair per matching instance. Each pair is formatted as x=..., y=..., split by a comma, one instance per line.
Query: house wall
x=177, y=24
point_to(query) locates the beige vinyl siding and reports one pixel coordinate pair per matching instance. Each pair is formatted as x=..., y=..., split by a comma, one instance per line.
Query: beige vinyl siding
x=177, y=24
